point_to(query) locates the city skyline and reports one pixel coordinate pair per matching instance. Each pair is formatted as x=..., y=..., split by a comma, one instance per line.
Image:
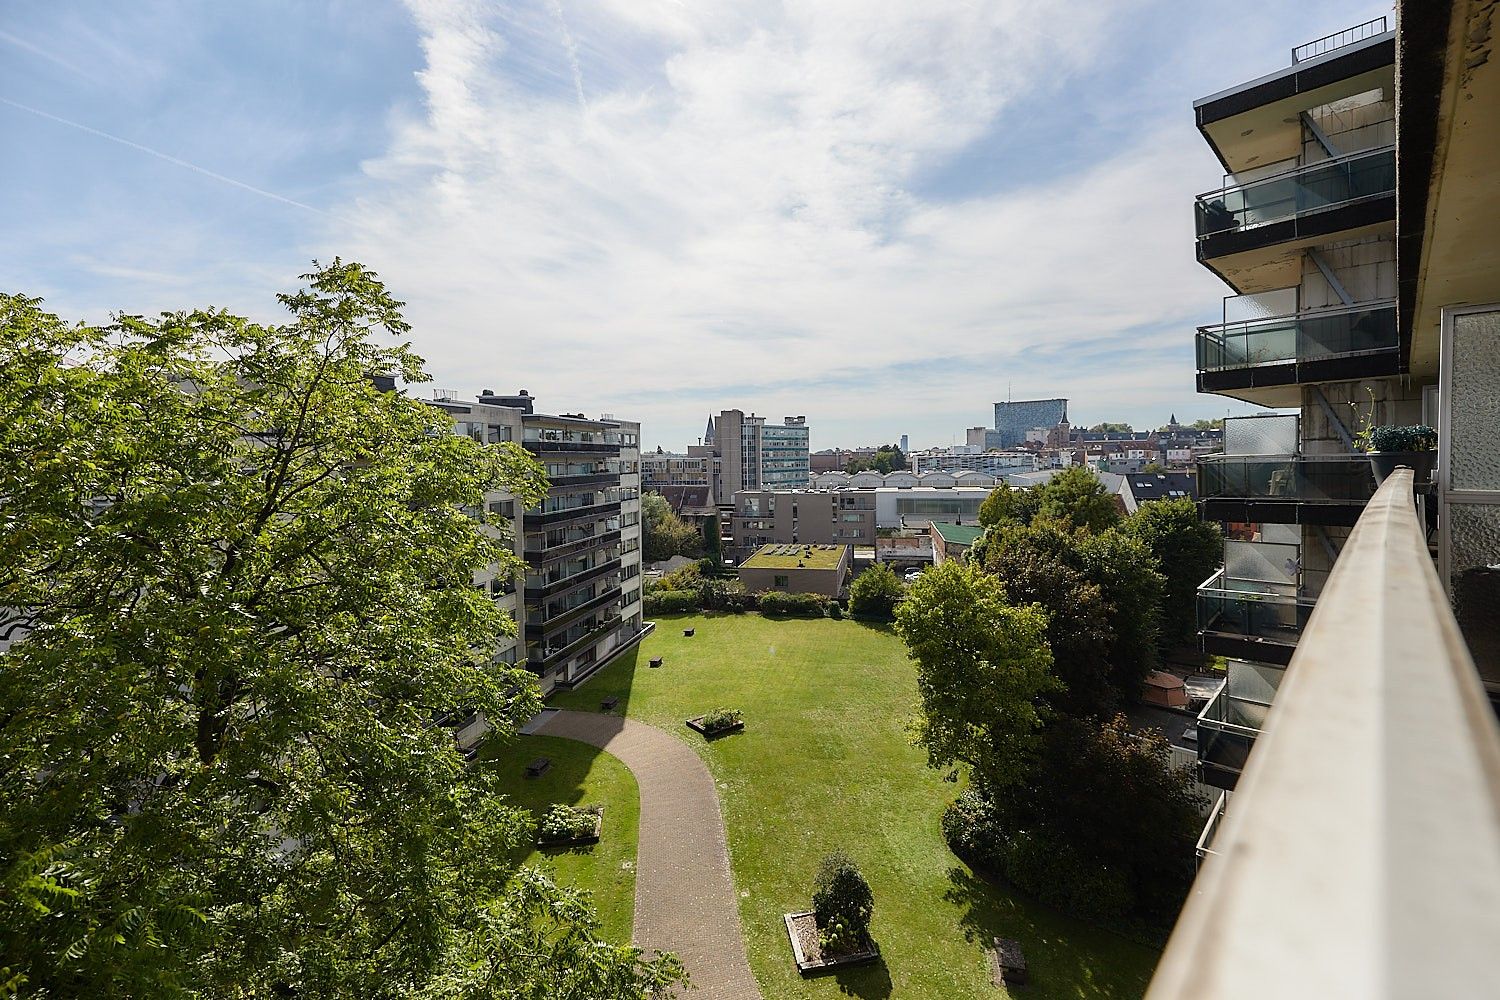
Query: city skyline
x=674, y=210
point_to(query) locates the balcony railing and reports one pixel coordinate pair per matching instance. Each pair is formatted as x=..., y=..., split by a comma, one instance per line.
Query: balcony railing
x=1226, y=732
x=553, y=656
x=1360, y=854
x=1232, y=608
x=1337, y=40
x=1369, y=328
x=1316, y=479
x=1316, y=187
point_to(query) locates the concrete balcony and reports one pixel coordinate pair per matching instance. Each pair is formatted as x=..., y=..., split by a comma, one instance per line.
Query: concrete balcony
x=1360, y=853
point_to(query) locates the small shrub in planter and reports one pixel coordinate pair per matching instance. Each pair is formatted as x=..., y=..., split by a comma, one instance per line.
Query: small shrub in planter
x=564, y=823
x=843, y=904
x=720, y=718
x=1412, y=446
x=1418, y=437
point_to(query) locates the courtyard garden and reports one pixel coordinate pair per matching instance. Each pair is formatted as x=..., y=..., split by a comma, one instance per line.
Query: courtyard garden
x=824, y=764
x=580, y=776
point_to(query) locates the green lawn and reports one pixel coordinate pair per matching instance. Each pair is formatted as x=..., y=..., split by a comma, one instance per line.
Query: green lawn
x=825, y=761
x=580, y=775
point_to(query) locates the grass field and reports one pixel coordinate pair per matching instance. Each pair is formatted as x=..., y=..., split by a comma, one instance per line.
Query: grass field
x=826, y=762
x=580, y=775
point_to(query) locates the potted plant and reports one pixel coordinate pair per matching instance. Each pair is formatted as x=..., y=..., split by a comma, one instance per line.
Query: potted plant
x=836, y=931
x=1390, y=446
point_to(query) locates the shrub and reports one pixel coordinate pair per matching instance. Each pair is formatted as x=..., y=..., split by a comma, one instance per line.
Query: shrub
x=774, y=602
x=874, y=593
x=843, y=904
x=708, y=566
x=973, y=832
x=666, y=602
x=566, y=823
x=682, y=578
x=720, y=718
x=1418, y=437
x=1055, y=873
x=835, y=611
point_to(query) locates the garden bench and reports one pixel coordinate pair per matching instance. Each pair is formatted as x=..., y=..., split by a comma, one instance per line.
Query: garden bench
x=538, y=767
x=608, y=704
x=687, y=632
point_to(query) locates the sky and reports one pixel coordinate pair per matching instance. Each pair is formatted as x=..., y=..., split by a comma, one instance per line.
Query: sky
x=884, y=215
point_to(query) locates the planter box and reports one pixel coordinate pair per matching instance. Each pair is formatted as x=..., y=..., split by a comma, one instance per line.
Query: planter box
x=591, y=838
x=802, y=930
x=1383, y=463
x=696, y=725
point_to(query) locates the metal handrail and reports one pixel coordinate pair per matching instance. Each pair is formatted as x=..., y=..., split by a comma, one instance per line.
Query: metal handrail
x=1360, y=855
x=1338, y=39
x=1292, y=171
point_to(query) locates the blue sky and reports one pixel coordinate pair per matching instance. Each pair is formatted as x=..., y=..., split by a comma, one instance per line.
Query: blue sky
x=883, y=215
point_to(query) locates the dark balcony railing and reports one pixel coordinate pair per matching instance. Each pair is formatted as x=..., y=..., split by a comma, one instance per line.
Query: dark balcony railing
x=1337, y=40
x=1226, y=734
x=592, y=512
x=571, y=447
x=1301, y=338
x=1330, y=479
x=1302, y=191
x=541, y=555
x=534, y=592
x=553, y=657
x=561, y=620
x=583, y=479
x=1227, y=608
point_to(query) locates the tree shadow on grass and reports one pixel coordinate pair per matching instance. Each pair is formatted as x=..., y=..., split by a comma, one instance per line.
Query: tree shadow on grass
x=869, y=982
x=1065, y=956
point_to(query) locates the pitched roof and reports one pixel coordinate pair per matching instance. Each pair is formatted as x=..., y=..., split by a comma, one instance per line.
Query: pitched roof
x=1162, y=485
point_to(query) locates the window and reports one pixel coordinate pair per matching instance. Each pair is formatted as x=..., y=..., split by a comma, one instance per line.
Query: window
x=780, y=580
x=505, y=508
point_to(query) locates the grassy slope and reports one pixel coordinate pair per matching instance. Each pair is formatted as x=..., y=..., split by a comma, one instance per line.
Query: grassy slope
x=581, y=775
x=825, y=761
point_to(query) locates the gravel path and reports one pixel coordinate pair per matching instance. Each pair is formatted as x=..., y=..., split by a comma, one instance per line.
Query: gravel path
x=684, y=895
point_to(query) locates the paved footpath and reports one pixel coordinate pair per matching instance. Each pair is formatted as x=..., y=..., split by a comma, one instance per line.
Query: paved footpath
x=684, y=896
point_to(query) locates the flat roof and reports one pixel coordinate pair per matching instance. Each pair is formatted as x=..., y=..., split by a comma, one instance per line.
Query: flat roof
x=957, y=534
x=793, y=557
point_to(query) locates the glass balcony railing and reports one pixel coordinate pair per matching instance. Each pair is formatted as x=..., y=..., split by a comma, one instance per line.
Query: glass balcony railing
x=1307, y=336
x=1232, y=607
x=1227, y=729
x=1330, y=479
x=1304, y=190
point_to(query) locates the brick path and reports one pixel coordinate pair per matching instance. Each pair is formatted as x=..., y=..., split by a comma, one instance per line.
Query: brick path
x=684, y=896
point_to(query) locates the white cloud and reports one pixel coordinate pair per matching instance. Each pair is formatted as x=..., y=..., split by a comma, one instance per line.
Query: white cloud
x=735, y=206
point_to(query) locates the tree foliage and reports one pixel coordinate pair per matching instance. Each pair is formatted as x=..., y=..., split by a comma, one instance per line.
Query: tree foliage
x=1109, y=428
x=1077, y=496
x=887, y=458
x=664, y=534
x=1007, y=504
x=982, y=664
x=1188, y=550
x=1106, y=807
x=245, y=582
x=875, y=593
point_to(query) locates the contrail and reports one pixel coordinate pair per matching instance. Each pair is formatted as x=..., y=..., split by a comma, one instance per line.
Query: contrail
x=556, y=7
x=162, y=156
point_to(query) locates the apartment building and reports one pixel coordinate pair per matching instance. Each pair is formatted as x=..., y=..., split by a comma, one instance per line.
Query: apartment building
x=967, y=459
x=1302, y=230
x=667, y=468
x=754, y=454
x=851, y=515
x=579, y=604
x=1360, y=850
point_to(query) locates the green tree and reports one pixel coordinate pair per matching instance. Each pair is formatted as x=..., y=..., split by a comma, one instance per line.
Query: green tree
x=664, y=534
x=1005, y=504
x=875, y=593
x=1077, y=496
x=1208, y=425
x=982, y=665
x=246, y=588
x=1188, y=550
x=1076, y=576
x=887, y=458
x=1109, y=428
x=1153, y=468
x=1106, y=808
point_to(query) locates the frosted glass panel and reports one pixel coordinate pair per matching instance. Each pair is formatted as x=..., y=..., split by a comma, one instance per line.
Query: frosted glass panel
x=1275, y=435
x=1261, y=305
x=1262, y=561
x=1474, y=439
x=1474, y=553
